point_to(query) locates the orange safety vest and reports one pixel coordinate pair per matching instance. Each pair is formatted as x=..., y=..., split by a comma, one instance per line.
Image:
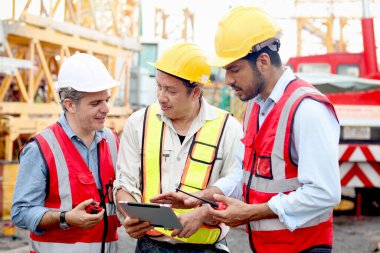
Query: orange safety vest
x=197, y=171
x=70, y=182
x=269, y=170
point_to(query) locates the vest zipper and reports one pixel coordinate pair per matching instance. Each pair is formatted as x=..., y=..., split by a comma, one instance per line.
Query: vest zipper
x=247, y=201
x=105, y=218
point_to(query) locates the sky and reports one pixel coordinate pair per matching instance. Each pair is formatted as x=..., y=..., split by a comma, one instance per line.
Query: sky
x=207, y=13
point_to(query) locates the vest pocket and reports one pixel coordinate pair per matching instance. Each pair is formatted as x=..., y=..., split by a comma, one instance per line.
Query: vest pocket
x=87, y=186
x=263, y=167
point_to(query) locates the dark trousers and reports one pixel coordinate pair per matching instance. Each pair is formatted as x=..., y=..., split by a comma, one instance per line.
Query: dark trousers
x=147, y=245
x=319, y=249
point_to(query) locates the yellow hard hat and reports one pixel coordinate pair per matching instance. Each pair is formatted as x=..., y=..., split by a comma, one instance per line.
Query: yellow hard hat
x=241, y=31
x=186, y=61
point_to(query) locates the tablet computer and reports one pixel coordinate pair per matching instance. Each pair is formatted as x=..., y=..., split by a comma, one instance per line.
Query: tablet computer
x=158, y=215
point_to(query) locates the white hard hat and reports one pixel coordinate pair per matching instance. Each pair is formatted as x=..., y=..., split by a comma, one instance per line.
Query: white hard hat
x=84, y=72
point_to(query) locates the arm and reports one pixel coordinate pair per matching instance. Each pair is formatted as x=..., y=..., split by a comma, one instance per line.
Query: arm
x=239, y=213
x=128, y=161
x=28, y=207
x=318, y=169
x=30, y=190
x=77, y=217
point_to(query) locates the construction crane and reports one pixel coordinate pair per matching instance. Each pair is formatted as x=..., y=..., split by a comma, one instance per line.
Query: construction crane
x=162, y=17
x=326, y=21
x=353, y=81
x=34, y=42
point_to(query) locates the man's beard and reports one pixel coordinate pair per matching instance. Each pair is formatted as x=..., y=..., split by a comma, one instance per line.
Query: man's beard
x=258, y=87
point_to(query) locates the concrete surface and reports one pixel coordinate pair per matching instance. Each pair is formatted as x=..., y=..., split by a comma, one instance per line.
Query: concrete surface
x=351, y=235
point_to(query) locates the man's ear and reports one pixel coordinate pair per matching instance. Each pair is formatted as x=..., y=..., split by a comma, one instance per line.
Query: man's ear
x=69, y=105
x=197, y=92
x=263, y=62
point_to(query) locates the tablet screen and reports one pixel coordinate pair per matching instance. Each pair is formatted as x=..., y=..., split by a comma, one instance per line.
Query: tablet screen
x=157, y=215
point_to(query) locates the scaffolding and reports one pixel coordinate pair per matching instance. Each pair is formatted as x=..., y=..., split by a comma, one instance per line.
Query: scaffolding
x=33, y=44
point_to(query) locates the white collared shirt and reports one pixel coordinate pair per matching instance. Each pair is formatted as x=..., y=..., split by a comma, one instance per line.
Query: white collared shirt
x=314, y=147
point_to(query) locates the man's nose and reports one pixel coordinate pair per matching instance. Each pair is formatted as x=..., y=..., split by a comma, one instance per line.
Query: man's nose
x=105, y=107
x=229, y=80
x=161, y=96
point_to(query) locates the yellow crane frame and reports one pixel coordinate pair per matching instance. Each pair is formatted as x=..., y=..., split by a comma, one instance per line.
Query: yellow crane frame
x=28, y=103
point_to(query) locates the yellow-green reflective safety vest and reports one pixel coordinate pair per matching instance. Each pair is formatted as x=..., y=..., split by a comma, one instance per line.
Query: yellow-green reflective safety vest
x=196, y=174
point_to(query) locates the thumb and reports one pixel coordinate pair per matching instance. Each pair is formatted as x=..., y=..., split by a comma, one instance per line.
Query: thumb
x=85, y=203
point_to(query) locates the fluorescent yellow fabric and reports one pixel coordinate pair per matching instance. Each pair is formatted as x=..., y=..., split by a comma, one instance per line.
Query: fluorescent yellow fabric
x=196, y=173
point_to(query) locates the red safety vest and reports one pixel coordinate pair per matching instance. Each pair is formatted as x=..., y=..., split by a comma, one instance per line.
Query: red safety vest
x=269, y=170
x=70, y=183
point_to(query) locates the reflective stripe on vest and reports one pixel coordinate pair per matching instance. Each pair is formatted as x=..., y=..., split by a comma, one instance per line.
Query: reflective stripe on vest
x=112, y=144
x=153, y=140
x=278, y=162
x=279, y=182
x=247, y=114
x=276, y=224
x=70, y=183
x=62, y=170
x=79, y=247
x=277, y=158
x=202, y=154
x=269, y=170
x=196, y=174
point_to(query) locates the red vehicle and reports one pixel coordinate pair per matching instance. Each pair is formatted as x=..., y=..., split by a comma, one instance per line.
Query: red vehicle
x=352, y=83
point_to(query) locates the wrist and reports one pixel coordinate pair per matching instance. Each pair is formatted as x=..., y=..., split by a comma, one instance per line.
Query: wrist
x=260, y=211
x=68, y=217
x=202, y=212
x=62, y=221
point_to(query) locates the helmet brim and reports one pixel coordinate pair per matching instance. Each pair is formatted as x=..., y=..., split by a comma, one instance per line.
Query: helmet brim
x=217, y=61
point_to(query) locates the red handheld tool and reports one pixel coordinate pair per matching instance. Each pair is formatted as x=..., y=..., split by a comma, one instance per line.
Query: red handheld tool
x=94, y=208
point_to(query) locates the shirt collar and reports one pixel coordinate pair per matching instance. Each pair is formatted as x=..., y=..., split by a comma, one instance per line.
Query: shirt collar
x=279, y=88
x=99, y=135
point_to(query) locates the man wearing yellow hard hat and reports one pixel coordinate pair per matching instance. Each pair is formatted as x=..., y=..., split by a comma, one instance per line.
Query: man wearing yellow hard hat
x=180, y=141
x=291, y=171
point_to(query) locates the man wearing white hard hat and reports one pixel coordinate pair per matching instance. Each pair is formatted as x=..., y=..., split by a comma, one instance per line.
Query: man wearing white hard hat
x=62, y=192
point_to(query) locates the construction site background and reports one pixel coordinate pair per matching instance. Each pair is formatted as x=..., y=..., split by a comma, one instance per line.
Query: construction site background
x=36, y=36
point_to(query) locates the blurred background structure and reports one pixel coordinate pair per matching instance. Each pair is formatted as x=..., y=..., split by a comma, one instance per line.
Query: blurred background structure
x=37, y=35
